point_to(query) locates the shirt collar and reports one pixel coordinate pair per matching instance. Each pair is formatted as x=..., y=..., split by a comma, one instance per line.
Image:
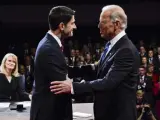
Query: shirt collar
x=55, y=37
x=117, y=37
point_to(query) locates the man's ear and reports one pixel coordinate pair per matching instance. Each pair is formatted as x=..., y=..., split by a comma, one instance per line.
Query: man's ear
x=61, y=26
x=117, y=24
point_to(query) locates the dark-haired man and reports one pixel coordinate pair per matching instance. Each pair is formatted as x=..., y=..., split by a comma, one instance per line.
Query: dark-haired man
x=50, y=65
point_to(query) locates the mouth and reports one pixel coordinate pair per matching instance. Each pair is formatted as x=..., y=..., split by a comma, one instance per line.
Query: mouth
x=101, y=31
x=10, y=65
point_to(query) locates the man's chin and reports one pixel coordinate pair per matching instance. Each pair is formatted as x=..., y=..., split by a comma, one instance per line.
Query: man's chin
x=102, y=36
x=71, y=34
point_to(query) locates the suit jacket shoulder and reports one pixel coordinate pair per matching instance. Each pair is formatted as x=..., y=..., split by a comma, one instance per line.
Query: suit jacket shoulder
x=50, y=59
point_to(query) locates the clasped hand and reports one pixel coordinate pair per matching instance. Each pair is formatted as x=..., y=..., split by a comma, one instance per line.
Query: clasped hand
x=60, y=87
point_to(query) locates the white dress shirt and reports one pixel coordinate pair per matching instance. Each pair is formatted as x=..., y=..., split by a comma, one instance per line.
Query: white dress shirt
x=29, y=68
x=115, y=40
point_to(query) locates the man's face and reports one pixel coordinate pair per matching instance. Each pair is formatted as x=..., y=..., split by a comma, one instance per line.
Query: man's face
x=22, y=69
x=142, y=49
x=150, y=53
x=144, y=60
x=69, y=27
x=72, y=53
x=142, y=71
x=77, y=52
x=106, y=26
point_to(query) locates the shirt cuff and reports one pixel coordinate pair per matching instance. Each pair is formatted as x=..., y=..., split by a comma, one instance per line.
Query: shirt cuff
x=93, y=66
x=72, y=91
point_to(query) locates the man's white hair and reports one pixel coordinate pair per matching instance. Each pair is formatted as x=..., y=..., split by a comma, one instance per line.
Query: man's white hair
x=117, y=14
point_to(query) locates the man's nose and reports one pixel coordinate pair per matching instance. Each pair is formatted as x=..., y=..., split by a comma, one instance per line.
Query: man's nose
x=75, y=27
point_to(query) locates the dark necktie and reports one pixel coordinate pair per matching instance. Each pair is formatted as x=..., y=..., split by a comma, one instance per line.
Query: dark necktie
x=105, y=50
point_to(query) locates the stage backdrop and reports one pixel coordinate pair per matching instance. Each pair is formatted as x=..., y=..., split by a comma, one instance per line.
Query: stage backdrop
x=87, y=15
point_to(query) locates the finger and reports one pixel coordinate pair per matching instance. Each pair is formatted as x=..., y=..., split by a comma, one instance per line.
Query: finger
x=56, y=82
x=59, y=92
x=55, y=86
x=56, y=90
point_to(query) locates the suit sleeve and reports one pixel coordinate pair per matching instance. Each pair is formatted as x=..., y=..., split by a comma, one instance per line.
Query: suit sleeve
x=121, y=67
x=53, y=63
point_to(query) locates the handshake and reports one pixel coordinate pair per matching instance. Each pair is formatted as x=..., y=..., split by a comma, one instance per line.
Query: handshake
x=66, y=87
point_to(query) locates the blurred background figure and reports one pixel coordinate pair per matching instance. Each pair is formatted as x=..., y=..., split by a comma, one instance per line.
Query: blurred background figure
x=144, y=111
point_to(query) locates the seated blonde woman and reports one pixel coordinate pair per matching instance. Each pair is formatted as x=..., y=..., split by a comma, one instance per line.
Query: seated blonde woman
x=10, y=89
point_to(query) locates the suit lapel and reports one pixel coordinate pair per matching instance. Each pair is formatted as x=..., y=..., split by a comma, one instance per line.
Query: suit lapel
x=53, y=40
x=108, y=56
x=111, y=53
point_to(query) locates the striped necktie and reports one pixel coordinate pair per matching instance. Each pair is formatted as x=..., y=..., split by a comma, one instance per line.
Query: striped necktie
x=105, y=51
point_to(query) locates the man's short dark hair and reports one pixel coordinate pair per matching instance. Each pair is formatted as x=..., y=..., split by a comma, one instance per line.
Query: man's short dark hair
x=142, y=67
x=59, y=14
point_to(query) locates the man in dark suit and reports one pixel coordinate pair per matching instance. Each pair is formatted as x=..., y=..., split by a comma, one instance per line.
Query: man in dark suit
x=117, y=71
x=145, y=84
x=50, y=65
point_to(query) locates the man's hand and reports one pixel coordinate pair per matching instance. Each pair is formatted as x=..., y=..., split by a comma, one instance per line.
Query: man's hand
x=143, y=111
x=59, y=87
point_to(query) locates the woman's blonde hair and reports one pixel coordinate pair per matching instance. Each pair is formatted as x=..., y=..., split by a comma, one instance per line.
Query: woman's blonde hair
x=3, y=67
x=139, y=92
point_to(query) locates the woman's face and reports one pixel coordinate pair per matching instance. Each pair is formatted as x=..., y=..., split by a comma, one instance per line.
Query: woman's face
x=10, y=63
x=139, y=97
x=151, y=69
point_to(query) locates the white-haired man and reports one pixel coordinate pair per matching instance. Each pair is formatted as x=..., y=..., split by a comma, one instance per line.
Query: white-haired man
x=117, y=71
